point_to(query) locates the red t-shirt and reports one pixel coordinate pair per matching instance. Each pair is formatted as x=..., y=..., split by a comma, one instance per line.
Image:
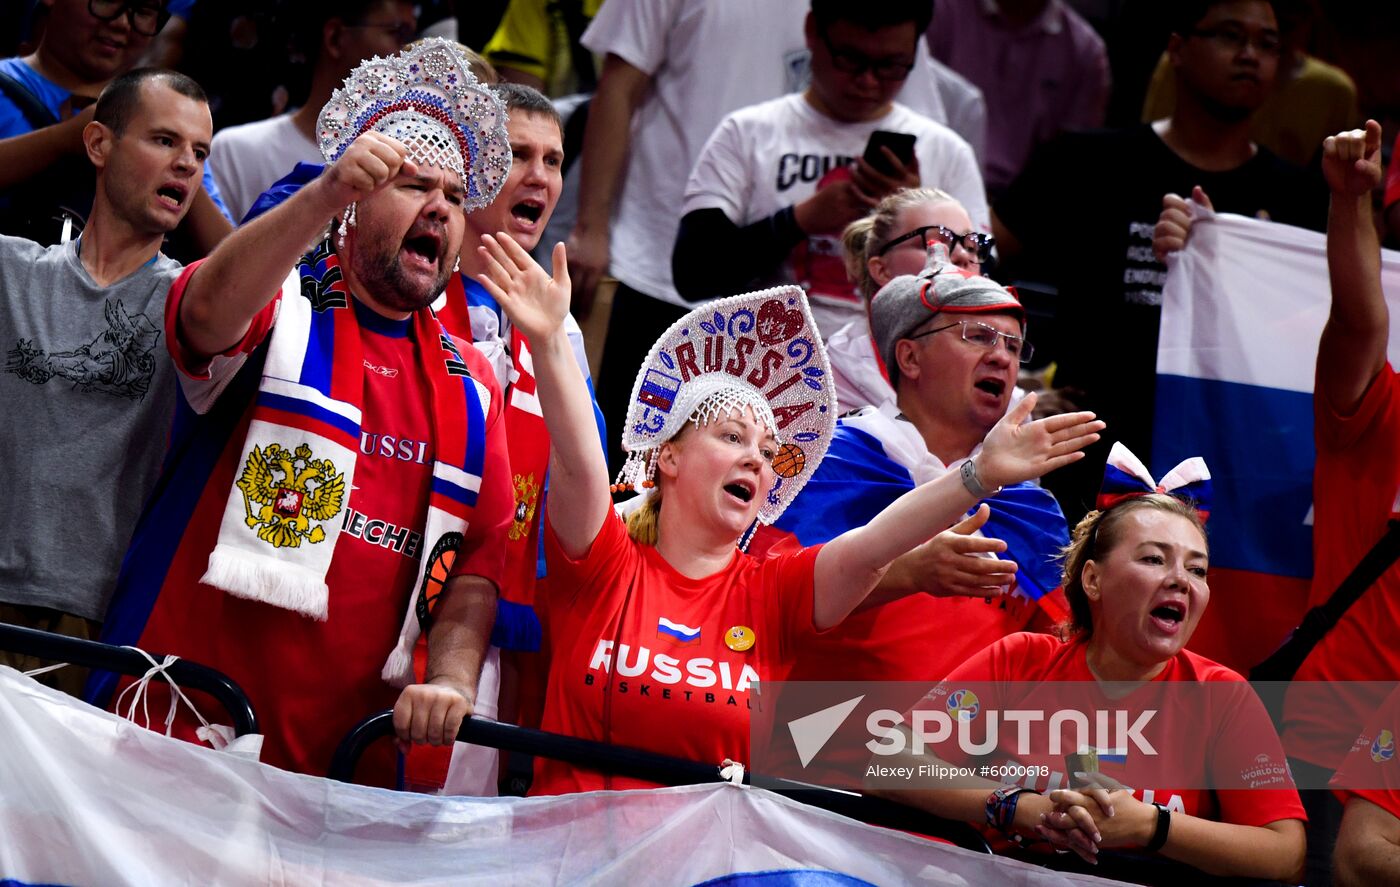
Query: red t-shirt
x=1228, y=741
x=1370, y=770
x=907, y=639
x=638, y=655
x=311, y=681
x=1355, y=481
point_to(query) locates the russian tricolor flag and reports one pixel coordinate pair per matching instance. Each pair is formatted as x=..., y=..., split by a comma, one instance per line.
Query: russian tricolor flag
x=1242, y=311
x=675, y=631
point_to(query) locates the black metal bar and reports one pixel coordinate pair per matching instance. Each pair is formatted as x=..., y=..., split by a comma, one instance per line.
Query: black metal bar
x=189, y=675
x=661, y=769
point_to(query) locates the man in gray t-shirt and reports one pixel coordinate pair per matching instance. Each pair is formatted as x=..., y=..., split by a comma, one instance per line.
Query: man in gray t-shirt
x=87, y=386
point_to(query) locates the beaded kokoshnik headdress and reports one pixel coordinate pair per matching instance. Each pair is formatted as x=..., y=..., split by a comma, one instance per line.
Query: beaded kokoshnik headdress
x=427, y=98
x=760, y=350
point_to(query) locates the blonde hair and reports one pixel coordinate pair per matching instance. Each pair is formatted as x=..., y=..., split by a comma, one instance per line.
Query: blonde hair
x=644, y=524
x=864, y=235
x=1097, y=535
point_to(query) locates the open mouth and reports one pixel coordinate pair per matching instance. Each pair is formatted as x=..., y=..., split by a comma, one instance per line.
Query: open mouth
x=423, y=246
x=994, y=387
x=172, y=194
x=741, y=490
x=1172, y=613
x=528, y=210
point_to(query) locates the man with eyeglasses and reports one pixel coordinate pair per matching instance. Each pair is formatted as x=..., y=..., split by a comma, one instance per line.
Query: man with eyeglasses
x=1311, y=98
x=1100, y=193
x=338, y=35
x=953, y=342
x=778, y=181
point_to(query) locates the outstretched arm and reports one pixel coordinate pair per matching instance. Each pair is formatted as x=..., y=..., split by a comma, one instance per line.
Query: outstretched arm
x=247, y=268
x=1353, y=346
x=537, y=304
x=850, y=565
x=951, y=564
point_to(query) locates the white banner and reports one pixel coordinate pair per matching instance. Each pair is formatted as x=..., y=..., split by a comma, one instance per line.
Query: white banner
x=87, y=799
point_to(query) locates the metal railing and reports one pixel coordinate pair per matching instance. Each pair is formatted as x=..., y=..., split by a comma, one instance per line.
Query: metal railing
x=661, y=769
x=189, y=675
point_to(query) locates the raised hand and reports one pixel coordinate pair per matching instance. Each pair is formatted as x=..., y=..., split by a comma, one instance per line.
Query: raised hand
x=955, y=564
x=1174, y=224
x=371, y=162
x=534, y=301
x=1016, y=450
x=1351, y=161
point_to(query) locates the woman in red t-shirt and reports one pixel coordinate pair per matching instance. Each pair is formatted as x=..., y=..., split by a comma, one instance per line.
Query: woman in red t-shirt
x=656, y=632
x=1211, y=787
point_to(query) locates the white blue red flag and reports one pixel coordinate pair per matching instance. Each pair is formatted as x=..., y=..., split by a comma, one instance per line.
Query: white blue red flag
x=87, y=798
x=1242, y=311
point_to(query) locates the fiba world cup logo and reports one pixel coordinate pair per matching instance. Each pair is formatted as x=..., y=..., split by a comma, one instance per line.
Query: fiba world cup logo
x=963, y=705
x=1383, y=747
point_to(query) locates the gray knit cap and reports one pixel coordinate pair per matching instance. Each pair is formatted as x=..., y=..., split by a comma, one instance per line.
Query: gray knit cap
x=909, y=300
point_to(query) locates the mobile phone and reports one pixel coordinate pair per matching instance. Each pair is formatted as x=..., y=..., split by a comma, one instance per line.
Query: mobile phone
x=901, y=143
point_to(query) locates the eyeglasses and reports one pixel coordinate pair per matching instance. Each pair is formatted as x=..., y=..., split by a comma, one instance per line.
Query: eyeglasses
x=975, y=242
x=147, y=18
x=1235, y=39
x=403, y=32
x=986, y=337
x=848, y=61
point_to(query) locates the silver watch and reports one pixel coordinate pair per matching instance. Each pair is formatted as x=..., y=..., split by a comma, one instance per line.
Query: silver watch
x=973, y=482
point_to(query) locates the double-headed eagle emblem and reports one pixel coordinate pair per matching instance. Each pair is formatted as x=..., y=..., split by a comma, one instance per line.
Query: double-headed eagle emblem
x=309, y=490
x=527, y=494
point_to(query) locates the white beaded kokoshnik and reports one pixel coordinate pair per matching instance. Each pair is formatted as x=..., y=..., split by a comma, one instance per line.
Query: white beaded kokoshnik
x=427, y=98
x=758, y=351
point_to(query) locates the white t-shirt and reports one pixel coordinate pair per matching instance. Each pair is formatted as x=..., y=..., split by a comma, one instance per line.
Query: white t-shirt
x=772, y=155
x=247, y=159
x=855, y=368
x=706, y=58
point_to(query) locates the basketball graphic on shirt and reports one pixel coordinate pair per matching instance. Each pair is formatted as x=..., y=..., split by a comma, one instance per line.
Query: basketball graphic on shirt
x=1383, y=748
x=963, y=705
x=789, y=461
x=437, y=568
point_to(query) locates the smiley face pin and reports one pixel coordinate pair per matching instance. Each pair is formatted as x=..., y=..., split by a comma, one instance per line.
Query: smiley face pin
x=739, y=638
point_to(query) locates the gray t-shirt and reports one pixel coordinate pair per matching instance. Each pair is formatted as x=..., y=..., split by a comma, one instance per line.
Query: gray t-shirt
x=88, y=392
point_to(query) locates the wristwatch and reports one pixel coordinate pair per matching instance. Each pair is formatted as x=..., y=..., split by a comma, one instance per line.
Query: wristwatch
x=973, y=482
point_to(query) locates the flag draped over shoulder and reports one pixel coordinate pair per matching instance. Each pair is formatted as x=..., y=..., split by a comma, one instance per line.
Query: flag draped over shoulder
x=874, y=459
x=87, y=798
x=1242, y=312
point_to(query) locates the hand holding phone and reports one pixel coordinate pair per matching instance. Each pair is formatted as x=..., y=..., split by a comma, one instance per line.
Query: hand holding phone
x=901, y=144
